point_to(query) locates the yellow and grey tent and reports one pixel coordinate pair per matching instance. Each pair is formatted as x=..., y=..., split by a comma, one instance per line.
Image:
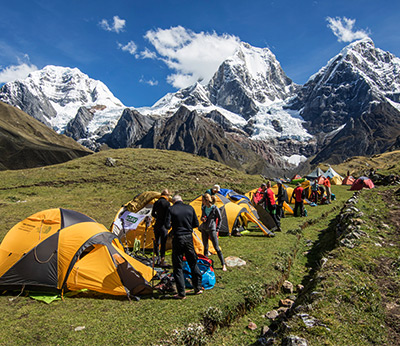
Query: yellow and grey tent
x=231, y=212
x=133, y=222
x=58, y=249
x=337, y=180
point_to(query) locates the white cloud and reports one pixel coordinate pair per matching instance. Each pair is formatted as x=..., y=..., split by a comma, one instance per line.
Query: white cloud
x=146, y=54
x=193, y=56
x=14, y=72
x=342, y=28
x=117, y=25
x=150, y=82
x=130, y=47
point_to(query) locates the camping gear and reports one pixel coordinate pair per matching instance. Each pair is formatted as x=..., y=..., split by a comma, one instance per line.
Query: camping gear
x=330, y=173
x=129, y=224
x=349, y=180
x=205, y=265
x=337, y=180
x=362, y=182
x=231, y=213
x=266, y=218
x=59, y=249
x=315, y=174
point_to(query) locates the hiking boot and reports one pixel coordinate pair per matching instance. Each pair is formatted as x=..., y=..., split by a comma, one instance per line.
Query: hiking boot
x=178, y=296
x=198, y=291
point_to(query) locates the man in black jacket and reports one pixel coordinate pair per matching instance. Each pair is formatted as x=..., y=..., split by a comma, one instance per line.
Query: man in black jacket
x=160, y=209
x=182, y=218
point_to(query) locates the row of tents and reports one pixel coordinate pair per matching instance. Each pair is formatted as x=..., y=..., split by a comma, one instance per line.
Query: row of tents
x=60, y=249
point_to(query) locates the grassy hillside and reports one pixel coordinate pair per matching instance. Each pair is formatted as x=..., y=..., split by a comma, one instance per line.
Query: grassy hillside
x=385, y=163
x=26, y=142
x=89, y=186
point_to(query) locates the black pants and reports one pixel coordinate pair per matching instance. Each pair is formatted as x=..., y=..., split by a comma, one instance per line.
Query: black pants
x=298, y=205
x=160, y=235
x=183, y=245
x=272, y=210
x=213, y=236
x=279, y=210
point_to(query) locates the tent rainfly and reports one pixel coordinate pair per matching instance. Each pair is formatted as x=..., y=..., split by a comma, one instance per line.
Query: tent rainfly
x=59, y=249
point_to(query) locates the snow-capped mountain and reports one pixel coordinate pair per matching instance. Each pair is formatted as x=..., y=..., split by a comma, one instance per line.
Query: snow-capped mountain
x=250, y=90
x=54, y=95
x=352, y=104
x=349, y=107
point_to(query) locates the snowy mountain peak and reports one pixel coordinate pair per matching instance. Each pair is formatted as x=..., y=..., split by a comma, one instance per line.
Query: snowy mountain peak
x=56, y=94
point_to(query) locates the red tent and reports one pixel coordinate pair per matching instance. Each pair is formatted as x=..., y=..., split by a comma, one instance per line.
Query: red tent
x=362, y=182
x=349, y=180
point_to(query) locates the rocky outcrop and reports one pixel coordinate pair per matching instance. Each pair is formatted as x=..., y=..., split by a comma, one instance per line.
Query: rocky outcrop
x=77, y=128
x=131, y=128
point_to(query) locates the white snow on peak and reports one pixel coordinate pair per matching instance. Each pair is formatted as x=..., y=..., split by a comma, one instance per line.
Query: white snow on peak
x=380, y=69
x=68, y=89
x=295, y=159
x=275, y=121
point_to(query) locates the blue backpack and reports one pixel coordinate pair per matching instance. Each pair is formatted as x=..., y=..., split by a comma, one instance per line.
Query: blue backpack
x=206, y=269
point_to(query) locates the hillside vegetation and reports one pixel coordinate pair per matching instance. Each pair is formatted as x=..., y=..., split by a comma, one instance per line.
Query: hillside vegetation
x=240, y=296
x=26, y=142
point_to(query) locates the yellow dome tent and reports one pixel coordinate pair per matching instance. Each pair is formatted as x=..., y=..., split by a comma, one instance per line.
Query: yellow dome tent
x=58, y=249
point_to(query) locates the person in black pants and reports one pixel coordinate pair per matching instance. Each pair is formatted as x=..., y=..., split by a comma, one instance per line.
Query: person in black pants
x=160, y=209
x=182, y=218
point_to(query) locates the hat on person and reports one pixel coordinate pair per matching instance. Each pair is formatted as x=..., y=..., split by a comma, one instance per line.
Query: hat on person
x=165, y=192
x=216, y=187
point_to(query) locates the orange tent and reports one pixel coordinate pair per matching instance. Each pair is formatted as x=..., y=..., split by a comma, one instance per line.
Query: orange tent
x=58, y=249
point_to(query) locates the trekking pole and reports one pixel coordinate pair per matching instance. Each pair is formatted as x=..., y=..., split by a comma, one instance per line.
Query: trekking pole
x=147, y=221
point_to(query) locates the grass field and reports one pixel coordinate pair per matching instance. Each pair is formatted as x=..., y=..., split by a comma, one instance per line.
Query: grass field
x=88, y=186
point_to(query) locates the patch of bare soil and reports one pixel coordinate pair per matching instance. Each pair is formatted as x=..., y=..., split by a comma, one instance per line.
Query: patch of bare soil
x=388, y=270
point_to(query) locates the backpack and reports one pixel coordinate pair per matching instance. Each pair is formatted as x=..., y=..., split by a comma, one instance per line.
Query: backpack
x=205, y=265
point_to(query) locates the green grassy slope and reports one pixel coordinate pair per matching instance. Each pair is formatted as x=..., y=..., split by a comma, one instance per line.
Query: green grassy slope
x=88, y=186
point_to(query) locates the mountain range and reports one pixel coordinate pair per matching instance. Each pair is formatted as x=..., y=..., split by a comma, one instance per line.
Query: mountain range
x=250, y=115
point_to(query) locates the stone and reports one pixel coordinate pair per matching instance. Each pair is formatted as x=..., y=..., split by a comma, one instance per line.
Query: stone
x=233, y=261
x=293, y=340
x=252, y=326
x=264, y=330
x=299, y=288
x=286, y=303
x=287, y=287
x=110, y=162
x=272, y=314
x=282, y=310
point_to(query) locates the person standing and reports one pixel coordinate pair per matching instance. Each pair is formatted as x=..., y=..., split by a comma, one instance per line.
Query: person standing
x=159, y=212
x=314, y=191
x=215, y=189
x=269, y=203
x=327, y=184
x=259, y=194
x=211, y=218
x=298, y=193
x=281, y=197
x=182, y=218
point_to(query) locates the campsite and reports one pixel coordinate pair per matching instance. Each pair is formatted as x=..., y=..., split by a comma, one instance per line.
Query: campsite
x=307, y=248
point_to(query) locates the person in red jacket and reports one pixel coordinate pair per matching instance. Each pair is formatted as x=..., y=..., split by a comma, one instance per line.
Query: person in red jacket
x=327, y=184
x=268, y=201
x=259, y=194
x=298, y=194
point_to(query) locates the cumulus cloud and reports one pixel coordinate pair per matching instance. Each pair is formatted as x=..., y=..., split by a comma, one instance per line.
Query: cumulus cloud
x=192, y=56
x=14, y=72
x=130, y=47
x=117, y=25
x=343, y=29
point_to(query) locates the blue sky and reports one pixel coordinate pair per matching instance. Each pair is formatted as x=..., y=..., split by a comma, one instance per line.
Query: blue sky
x=144, y=49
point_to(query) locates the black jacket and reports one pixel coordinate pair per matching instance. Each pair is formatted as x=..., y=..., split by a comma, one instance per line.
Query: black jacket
x=160, y=209
x=182, y=218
